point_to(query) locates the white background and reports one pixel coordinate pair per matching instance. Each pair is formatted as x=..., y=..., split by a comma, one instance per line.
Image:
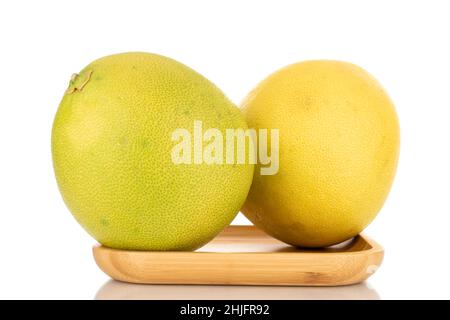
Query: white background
x=405, y=44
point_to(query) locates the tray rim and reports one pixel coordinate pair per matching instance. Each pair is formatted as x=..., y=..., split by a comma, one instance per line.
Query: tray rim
x=374, y=247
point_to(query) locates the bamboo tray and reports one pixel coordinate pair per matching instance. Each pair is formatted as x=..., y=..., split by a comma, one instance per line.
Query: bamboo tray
x=244, y=255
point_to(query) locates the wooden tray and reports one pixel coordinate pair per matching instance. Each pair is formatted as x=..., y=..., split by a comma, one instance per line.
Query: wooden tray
x=244, y=255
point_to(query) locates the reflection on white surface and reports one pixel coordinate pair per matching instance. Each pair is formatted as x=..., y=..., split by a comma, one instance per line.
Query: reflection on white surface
x=114, y=290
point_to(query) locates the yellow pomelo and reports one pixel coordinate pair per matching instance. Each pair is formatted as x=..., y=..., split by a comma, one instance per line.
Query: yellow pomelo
x=339, y=144
x=112, y=153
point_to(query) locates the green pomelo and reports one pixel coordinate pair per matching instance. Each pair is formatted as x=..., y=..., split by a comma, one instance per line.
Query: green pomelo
x=112, y=146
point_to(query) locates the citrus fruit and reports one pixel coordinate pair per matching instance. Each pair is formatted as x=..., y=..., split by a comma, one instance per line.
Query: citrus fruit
x=339, y=144
x=112, y=145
